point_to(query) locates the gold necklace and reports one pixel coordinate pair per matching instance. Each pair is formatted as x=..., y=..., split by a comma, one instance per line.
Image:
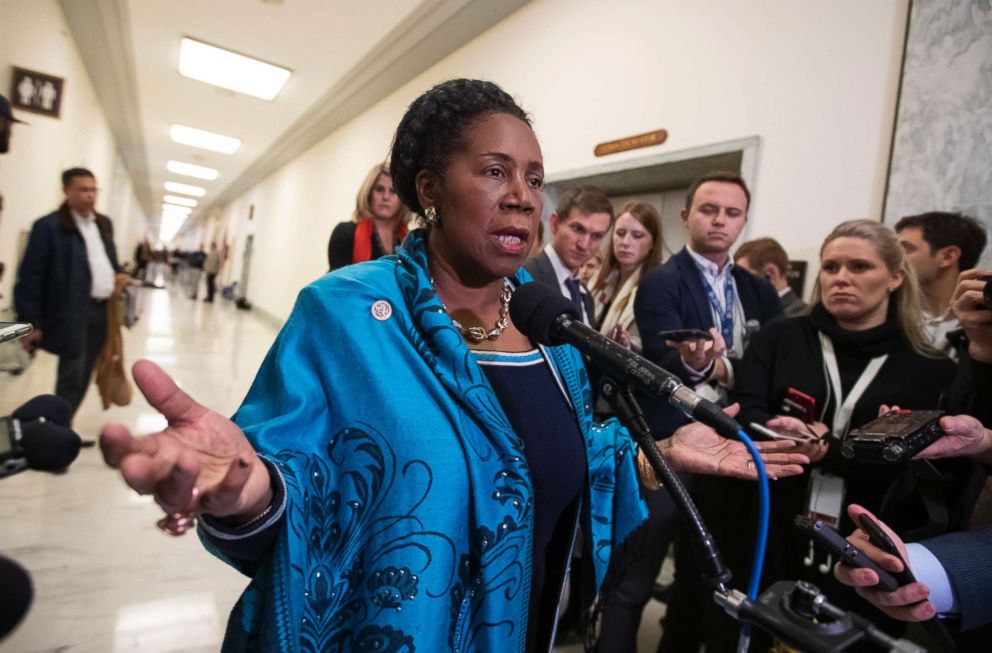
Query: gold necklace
x=478, y=334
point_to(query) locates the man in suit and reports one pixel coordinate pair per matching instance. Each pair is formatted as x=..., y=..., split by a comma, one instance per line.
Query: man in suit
x=66, y=277
x=578, y=225
x=698, y=288
x=701, y=288
x=764, y=257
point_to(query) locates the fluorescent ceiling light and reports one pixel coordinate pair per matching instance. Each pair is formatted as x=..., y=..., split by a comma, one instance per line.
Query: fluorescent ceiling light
x=235, y=72
x=191, y=170
x=181, y=201
x=204, y=139
x=172, y=208
x=185, y=189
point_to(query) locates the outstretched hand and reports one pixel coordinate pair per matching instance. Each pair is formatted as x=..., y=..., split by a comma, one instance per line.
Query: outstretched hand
x=200, y=463
x=699, y=449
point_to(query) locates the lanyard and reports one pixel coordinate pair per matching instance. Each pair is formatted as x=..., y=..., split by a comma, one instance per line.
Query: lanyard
x=726, y=315
x=843, y=410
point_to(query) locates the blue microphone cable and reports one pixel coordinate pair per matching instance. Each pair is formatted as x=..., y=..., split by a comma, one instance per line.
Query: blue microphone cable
x=764, y=508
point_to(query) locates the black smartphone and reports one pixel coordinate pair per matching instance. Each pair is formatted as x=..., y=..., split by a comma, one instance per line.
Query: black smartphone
x=14, y=330
x=879, y=538
x=681, y=335
x=834, y=543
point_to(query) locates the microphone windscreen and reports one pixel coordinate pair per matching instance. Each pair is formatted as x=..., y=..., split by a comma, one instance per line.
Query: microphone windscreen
x=15, y=595
x=52, y=408
x=534, y=308
x=48, y=447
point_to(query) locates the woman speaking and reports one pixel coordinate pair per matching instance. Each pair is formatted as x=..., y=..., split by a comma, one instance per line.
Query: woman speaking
x=408, y=469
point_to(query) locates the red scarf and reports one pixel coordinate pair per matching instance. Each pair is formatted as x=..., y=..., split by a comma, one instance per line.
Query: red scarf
x=361, y=250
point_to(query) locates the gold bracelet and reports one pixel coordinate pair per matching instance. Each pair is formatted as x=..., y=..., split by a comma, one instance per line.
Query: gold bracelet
x=646, y=473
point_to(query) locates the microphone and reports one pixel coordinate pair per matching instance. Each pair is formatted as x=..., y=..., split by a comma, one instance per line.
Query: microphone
x=15, y=595
x=51, y=408
x=37, y=435
x=543, y=314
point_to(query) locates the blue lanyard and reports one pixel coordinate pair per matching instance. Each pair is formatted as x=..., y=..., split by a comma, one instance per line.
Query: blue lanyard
x=727, y=314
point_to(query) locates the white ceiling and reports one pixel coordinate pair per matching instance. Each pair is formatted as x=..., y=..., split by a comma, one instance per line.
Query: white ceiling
x=345, y=55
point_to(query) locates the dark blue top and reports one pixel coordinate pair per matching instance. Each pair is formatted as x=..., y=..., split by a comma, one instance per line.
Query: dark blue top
x=541, y=415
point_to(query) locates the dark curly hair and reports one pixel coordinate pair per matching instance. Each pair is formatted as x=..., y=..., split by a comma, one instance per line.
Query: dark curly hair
x=431, y=131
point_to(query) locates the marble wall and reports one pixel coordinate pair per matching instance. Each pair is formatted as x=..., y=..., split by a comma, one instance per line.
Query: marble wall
x=942, y=155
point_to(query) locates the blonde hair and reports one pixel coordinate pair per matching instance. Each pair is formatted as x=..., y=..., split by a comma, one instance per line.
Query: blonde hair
x=648, y=216
x=906, y=296
x=363, y=204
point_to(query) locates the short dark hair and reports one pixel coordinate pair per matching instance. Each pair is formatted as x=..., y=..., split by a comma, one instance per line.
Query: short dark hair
x=71, y=173
x=434, y=124
x=762, y=251
x=587, y=199
x=722, y=176
x=944, y=229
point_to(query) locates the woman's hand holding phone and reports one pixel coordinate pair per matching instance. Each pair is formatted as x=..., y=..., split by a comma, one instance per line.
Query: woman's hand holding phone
x=815, y=447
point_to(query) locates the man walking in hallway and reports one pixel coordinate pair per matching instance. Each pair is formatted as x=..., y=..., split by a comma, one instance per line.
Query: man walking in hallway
x=578, y=225
x=211, y=266
x=64, y=282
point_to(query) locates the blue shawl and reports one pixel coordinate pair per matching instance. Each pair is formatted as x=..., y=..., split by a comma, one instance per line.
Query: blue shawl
x=409, y=519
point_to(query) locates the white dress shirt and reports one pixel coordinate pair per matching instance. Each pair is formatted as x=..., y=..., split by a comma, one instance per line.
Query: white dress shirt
x=718, y=279
x=937, y=327
x=563, y=274
x=101, y=270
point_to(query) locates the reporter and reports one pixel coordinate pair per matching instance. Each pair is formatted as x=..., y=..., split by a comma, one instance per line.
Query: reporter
x=953, y=572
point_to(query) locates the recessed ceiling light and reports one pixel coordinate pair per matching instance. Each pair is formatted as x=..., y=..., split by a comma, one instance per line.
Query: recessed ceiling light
x=185, y=189
x=181, y=201
x=172, y=208
x=191, y=170
x=204, y=139
x=230, y=70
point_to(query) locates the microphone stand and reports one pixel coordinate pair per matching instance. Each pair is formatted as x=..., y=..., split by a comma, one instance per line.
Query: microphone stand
x=797, y=613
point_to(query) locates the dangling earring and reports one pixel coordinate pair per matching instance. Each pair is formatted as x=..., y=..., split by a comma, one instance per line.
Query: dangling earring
x=430, y=216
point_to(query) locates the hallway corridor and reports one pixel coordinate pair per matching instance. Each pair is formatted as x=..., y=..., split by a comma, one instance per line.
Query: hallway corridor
x=105, y=578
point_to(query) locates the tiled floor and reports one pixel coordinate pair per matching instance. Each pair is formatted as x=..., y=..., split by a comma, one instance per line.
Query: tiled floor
x=105, y=578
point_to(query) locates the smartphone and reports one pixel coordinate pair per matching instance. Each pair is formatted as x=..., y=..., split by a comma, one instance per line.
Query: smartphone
x=879, y=538
x=681, y=335
x=798, y=404
x=775, y=435
x=14, y=330
x=835, y=544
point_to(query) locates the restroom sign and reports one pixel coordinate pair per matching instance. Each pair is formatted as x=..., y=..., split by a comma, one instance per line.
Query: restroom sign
x=36, y=92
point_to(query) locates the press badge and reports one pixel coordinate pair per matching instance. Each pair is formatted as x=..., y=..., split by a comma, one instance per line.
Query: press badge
x=825, y=497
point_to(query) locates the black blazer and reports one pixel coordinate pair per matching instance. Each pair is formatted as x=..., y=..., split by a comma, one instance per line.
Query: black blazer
x=672, y=296
x=541, y=269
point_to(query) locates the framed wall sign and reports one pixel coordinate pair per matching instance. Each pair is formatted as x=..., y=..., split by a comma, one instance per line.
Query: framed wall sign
x=36, y=92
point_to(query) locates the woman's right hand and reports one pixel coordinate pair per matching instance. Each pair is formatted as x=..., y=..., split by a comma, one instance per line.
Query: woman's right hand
x=200, y=463
x=814, y=449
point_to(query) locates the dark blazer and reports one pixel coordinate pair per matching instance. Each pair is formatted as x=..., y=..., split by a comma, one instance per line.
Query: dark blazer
x=967, y=559
x=672, y=296
x=54, y=282
x=541, y=269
